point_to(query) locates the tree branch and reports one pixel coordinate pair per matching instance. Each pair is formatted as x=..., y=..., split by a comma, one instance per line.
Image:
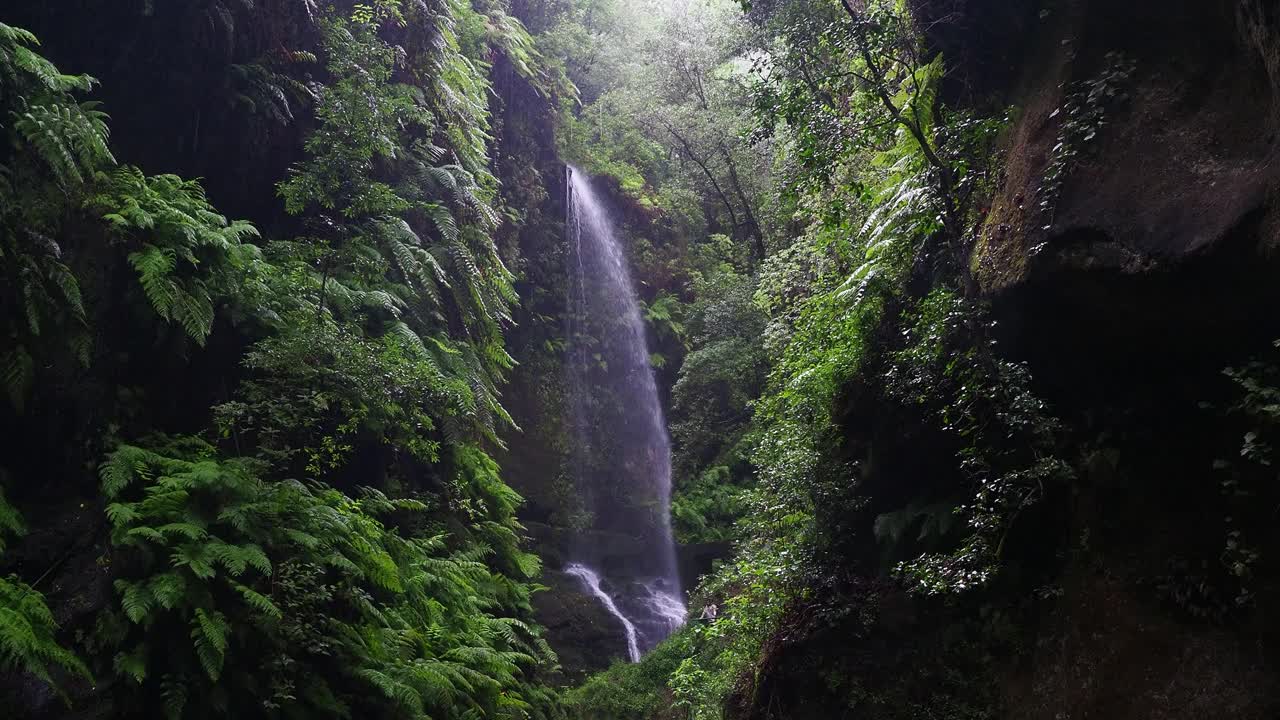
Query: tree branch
x=878, y=84
x=688, y=149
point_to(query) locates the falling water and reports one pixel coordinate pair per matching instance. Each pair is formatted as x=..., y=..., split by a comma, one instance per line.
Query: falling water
x=622, y=455
x=591, y=579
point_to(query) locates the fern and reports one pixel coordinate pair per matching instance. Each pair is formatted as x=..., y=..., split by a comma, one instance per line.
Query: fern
x=58, y=143
x=23, y=68
x=10, y=521
x=17, y=370
x=258, y=601
x=132, y=665
x=70, y=138
x=28, y=631
x=154, y=266
x=905, y=203
x=509, y=34
x=175, y=693
x=209, y=632
x=417, y=256
x=264, y=90
x=28, y=634
x=419, y=629
x=235, y=590
x=189, y=256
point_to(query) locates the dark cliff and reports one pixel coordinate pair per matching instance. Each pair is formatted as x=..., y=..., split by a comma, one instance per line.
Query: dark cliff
x=1127, y=252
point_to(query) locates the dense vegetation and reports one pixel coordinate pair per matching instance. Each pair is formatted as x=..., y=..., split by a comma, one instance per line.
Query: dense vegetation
x=904, y=498
x=326, y=534
x=930, y=417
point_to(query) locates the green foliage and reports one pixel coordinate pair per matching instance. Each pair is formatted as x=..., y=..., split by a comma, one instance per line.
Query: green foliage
x=1010, y=442
x=316, y=387
x=874, y=178
x=22, y=68
x=69, y=138
x=188, y=255
x=28, y=640
x=375, y=354
x=53, y=310
x=711, y=405
x=58, y=144
x=631, y=691
x=414, y=252
x=413, y=628
x=664, y=315
x=668, y=124
x=360, y=113
x=692, y=673
x=507, y=33
x=10, y=521
x=265, y=89
x=28, y=630
x=1247, y=477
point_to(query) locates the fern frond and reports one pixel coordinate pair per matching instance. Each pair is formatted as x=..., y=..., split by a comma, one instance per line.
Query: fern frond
x=71, y=139
x=173, y=689
x=197, y=558
x=122, y=468
x=16, y=57
x=190, y=255
x=443, y=220
x=154, y=265
x=121, y=514
x=17, y=371
x=258, y=601
x=10, y=521
x=135, y=600
x=169, y=590
x=28, y=634
x=209, y=632
x=132, y=664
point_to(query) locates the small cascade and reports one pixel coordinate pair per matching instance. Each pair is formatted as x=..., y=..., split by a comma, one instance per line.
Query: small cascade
x=621, y=451
x=666, y=606
x=591, y=579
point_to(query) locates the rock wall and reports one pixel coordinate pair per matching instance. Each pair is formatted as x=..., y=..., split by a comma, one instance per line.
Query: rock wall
x=1185, y=155
x=1127, y=262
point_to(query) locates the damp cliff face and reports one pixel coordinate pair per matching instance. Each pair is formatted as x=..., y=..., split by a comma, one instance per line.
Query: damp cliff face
x=1145, y=137
x=1134, y=221
x=1127, y=252
x=1151, y=273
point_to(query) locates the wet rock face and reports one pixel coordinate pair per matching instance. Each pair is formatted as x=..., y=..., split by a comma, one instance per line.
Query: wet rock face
x=985, y=42
x=1105, y=655
x=1135, y=248
x=583, y=633
x=1151, y=269
x=1184, y=152
x=698, y=559
x=1157, y=270
x=71, y=560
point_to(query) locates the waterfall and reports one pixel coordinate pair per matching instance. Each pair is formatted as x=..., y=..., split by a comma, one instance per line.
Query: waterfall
x=621, y=452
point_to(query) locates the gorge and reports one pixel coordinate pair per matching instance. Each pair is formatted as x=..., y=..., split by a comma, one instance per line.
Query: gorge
x=445, y=359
